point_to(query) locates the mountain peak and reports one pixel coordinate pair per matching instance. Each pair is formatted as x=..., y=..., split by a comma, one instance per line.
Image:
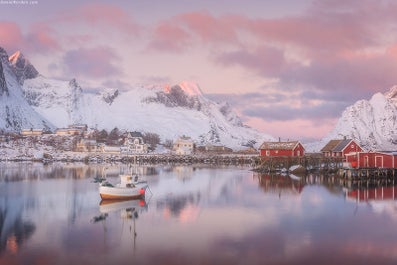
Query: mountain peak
x=22, y=67
x=188, y=87
x=15, y=57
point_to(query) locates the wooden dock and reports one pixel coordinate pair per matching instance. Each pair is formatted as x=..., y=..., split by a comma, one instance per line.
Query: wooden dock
x=313, y=162
x=367, y=173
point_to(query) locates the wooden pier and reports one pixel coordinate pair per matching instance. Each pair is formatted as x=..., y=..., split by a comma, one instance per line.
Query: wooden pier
x=367, y=173
x=312, y=162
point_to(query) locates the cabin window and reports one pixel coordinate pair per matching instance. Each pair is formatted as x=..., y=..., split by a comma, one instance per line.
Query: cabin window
x=352, y=146
x=267, y=153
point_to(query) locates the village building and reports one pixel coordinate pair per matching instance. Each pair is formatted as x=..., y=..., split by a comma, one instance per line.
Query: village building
x=68, y=131
x=372, y=159
x=290, y=148
x=82, y=127
x=134, y=144
x=74, y=129
x=184, y=145
x=87, y=145
x=216, y=149
x=32, y=132
x=110, y=149
x=340, y=148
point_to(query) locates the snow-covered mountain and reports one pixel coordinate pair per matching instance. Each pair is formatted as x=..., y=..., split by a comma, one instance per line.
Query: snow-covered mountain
x=15, y=112
x=373, y=123
x=170, y=111
x=23, y=69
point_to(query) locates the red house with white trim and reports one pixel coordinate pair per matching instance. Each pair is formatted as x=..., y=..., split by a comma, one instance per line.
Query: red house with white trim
x=373, y=160
x=292, y=148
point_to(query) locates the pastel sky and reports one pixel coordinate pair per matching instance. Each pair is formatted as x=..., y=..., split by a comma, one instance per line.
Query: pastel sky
x=288, y=67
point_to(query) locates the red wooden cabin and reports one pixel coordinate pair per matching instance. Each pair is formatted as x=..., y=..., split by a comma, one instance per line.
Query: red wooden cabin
x=293, y=148
x=341, y=148
x=373, y=159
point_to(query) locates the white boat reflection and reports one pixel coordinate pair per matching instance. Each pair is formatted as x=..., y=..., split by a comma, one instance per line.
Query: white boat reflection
x=128, y=209
x=125, y=206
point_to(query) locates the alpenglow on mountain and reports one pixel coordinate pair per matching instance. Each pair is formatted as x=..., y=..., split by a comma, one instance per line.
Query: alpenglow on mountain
x=170, y=111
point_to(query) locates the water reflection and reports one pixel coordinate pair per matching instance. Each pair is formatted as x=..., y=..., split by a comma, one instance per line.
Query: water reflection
x=281, y=184
x=126, y=210
x=185, y=208
x=14, y=230
x=197, y=215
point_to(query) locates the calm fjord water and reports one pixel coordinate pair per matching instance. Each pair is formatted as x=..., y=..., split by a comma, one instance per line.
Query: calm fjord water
x=52, y=214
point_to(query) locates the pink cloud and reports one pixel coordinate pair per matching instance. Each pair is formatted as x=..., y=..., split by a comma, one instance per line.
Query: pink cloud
x=42, y=38
x=208, y=27
x=169, y=37
x=196, y=28
x=392, y=51
x=267, y=61
x=104, y=15
x=10, y=36
x=80, y=40
x=99, y=62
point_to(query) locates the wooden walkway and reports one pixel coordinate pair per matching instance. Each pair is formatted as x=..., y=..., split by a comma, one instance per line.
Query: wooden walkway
x=366, y=173
x=315, y=162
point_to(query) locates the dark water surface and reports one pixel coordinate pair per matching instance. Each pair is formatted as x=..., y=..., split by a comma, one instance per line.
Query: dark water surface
x=192, y=215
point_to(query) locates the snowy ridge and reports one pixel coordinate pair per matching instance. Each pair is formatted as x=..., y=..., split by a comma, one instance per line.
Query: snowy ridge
x=170, y=115
x=15, y=112
x=373, y=123
x=169, y=111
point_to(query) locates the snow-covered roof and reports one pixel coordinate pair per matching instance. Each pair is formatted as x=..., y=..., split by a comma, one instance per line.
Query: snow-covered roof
x=279, y=145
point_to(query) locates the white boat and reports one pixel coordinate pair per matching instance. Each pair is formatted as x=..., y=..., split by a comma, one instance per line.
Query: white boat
x=130, y=187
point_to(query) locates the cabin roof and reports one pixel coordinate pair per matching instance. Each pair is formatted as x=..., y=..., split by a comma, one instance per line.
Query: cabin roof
x=279, y=145
x=336, y=145
x=342, y=145
x=330, y=145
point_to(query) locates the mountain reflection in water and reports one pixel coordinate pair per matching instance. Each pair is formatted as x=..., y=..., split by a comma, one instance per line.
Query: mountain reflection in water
x=52, y=214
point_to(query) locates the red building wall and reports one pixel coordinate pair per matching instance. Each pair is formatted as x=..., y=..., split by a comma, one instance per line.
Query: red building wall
x=298, y=151
x=372, y=160
x=351, y=147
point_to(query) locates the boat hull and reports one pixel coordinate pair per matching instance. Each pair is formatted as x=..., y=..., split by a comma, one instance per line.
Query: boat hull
x=117, y=193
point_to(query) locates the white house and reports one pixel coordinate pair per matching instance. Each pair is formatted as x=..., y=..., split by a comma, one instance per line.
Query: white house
x=87, y=145
x=134, y=144
x=183, y=146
